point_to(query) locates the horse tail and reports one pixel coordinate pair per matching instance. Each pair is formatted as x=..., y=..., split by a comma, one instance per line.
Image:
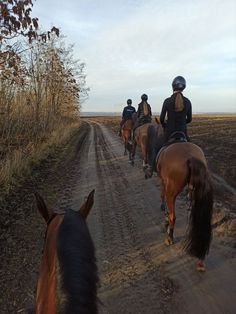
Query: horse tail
x=200, y=229
x=151, y=146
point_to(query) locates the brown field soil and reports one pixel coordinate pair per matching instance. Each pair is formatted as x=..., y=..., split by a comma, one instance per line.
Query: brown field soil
x=138, y=274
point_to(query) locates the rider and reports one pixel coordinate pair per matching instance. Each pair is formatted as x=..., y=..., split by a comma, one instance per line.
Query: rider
x=178, y=110
x=127, y=114
x=144, y=113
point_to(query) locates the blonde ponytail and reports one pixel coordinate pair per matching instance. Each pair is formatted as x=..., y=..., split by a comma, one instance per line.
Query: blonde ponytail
x=145, y=109
x=179, y=102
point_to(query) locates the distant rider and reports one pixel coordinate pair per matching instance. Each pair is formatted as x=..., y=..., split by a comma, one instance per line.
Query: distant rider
x=128, y=111
x=144, y=113
x=178, y=110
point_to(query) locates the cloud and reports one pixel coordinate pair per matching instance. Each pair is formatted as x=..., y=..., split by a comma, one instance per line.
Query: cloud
x=131, y=47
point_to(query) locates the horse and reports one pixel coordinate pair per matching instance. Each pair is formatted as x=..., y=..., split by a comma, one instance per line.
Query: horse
x=179, y=165
x=126, y=136
x=67, y=281
x=141, y=138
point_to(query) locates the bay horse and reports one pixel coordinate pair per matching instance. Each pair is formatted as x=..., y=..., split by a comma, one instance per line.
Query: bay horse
x=141, y=138
x=126, y=136
x=67, y=281
x=179, y=165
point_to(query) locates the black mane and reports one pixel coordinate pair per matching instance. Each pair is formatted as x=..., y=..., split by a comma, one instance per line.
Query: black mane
x=77, y=261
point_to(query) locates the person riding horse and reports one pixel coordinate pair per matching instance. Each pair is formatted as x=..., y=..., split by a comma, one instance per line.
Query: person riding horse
x=144, y=113
x=128, y=111
x=178, y=110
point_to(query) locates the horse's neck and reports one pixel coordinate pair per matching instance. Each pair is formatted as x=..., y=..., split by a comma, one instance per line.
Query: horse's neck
x=79, y=266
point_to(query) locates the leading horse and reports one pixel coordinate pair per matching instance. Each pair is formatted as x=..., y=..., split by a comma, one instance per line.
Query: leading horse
x=67, y=281
x=126, y=136
x=179, y=165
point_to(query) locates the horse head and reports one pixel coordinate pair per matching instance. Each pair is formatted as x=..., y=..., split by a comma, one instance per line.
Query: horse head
x=67, y=281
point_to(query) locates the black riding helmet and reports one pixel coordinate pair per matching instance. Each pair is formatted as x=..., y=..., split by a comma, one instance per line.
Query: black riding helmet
x=129, y=102
x=144, y=97
x=179, y=83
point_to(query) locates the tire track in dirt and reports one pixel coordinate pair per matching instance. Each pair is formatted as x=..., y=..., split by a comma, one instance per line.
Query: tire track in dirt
x=118, y=228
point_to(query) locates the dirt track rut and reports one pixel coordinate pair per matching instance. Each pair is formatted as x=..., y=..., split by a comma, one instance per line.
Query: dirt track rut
x=138, y=273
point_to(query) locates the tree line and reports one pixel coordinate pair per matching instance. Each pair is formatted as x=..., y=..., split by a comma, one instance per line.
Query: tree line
x=41, y=84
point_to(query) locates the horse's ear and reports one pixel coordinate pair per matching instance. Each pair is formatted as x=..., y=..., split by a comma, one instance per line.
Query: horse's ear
x=42, y=207
x=157, y=121
x=85, y=208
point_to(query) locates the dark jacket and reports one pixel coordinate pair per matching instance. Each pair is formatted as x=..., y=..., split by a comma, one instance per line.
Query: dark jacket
x=140, y=113
x=176, y=121
x=128, y=112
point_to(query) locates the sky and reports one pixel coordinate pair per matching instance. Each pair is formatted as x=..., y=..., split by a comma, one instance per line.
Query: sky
x=132, y=47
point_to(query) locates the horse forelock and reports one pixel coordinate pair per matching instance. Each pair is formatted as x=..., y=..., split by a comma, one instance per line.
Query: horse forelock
x=77, y=270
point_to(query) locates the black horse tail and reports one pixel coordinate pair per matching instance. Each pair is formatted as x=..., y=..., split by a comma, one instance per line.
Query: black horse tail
x=151, y=146
x=200, y=229
x=154, y=144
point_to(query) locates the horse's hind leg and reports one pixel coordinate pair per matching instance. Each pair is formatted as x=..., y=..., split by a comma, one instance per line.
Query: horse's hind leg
x=170, y=201
x=125, y=151
x=163, y=194
x=133, y=152
x=163, y=206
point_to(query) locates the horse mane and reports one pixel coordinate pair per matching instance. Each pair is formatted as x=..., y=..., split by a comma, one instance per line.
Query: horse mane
x=77, y=265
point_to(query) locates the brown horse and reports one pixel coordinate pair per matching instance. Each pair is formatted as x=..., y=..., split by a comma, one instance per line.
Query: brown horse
x=67, y=281
x=179, y=165
x=126, y=135
x=141, y=138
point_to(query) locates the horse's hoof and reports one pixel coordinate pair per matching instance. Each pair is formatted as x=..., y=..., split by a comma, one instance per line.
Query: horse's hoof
x=201, y=267
x=168, y=242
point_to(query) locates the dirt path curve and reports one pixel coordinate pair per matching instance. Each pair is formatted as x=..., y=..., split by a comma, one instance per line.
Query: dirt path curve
x=138, y=273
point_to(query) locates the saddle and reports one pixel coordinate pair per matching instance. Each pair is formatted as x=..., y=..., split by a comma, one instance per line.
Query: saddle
x=176, y=137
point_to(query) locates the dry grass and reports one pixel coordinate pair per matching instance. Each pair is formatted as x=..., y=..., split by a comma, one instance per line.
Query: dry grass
x=19, y=162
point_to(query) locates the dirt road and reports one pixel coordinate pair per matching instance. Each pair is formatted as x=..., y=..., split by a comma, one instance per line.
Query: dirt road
x=138, y=273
